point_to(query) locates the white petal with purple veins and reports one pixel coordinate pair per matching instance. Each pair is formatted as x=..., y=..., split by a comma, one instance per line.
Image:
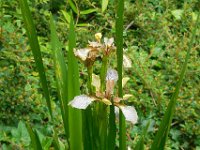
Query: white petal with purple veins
x=112, y=75
x=129, y=113
x=81, y=102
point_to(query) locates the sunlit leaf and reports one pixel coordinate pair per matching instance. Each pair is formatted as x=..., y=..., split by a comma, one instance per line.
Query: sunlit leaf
x=66, y=15
x=104, y=5
x=89, y=11
x=177, y=13
x=71, y=3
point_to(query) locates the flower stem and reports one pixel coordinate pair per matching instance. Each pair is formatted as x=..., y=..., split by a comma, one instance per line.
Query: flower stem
x=89, y=82
x=103, y=72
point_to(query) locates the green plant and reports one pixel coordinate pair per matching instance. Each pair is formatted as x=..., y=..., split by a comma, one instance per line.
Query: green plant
x=77, y=102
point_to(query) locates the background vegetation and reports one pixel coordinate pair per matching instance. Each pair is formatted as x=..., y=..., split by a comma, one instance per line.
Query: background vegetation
x=156, y=37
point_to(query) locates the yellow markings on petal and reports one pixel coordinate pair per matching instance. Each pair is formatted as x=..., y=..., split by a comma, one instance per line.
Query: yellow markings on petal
x=127, y=63
x=96, y=82
x=124, y=81
x=106, y=101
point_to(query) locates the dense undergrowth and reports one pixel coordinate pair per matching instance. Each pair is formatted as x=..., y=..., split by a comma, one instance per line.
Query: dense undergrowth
x=156, y=36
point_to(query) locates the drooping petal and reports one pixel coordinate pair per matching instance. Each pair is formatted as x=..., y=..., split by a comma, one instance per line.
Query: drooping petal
x=81, y=102
x=127, y=63
x=112, y=75
x=96, y=82
x=82, y=53
x=129, y=113
x=124, y=81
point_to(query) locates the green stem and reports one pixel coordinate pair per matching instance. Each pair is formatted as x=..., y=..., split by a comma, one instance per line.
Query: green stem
x=89, y=82
x=119, y=44
x=103, y=73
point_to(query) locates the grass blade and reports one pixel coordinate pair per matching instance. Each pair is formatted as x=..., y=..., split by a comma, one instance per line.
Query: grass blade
x=162, y=134
x=140, y=143
x=31, y=33
x=73, y=7
x=75, y=118
x=61, y=74
x=119, y=44
x=35, y=142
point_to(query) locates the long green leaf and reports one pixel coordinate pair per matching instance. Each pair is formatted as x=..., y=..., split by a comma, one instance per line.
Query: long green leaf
x=88, y=11
x=162, y=134
x=31, y=32
x=35, y=142
x=111, y=129
x=119, y=44
x=61, y=74
x=71, y=3
x=75, y=118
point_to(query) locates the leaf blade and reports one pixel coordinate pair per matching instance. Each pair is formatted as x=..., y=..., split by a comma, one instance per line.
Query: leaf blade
x=35, y=48
x=61, y=74
x=161, y=136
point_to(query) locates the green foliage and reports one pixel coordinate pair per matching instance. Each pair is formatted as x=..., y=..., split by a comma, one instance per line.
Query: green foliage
x=156, y=35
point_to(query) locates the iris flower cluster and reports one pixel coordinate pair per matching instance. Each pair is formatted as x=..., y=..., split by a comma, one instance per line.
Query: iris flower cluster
x=106, y=95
